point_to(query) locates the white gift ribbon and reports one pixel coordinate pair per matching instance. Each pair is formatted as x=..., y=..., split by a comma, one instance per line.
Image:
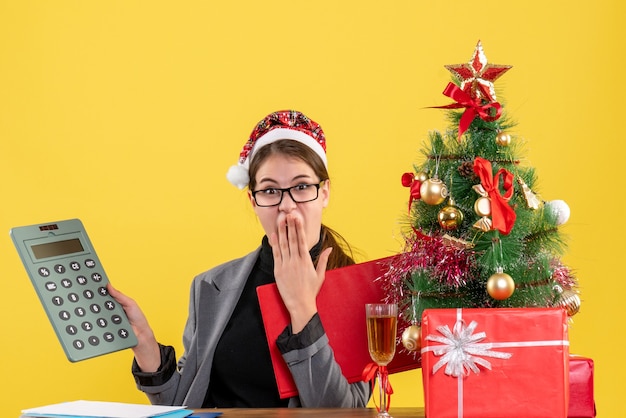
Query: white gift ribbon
x=461, y=351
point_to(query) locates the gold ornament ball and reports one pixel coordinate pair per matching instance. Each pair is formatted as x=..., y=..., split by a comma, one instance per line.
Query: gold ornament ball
x=482, y=206
x=421, y=177
x=450, y=217
x=412, y=338
x=500, y=286
x=570, y=301
x=433, y=191
x=503, y=139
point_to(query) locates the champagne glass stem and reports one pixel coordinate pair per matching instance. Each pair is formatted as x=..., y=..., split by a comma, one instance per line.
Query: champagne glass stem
x=382, y=391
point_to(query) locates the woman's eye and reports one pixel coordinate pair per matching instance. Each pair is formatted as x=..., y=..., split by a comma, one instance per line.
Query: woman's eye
x=269, y=191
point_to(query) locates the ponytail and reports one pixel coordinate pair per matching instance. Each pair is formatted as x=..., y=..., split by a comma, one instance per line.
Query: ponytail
x=342, y=254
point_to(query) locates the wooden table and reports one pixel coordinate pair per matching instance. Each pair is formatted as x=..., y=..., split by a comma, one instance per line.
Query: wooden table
x=416, y=412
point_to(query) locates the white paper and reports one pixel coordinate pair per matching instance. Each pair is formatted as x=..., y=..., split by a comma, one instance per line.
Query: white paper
x=103, y=409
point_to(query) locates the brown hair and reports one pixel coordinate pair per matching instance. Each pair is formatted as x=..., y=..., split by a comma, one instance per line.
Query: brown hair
x=342, y=254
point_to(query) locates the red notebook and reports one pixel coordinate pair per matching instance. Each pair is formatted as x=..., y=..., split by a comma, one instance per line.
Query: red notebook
x=341, y=306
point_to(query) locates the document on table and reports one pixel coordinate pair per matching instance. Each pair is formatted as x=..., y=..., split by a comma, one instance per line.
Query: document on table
x=96, y=409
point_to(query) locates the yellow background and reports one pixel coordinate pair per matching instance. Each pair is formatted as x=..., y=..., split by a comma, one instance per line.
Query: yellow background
x=127, y=115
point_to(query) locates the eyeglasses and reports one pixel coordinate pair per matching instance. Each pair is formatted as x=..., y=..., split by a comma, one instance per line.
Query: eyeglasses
x=300, y=193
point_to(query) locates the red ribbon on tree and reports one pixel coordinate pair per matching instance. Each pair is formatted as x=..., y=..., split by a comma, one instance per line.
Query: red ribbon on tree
x=473, y=107
x=502, y=214
x=369, y=374
x=409, y=180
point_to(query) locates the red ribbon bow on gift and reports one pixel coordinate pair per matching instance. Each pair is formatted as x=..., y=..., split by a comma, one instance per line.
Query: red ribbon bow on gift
x=502, y=214
x=369, y=374
x=409, y=180
x=473, y=107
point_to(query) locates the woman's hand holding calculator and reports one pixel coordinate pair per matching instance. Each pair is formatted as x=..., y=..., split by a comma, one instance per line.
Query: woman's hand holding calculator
x=147, y=352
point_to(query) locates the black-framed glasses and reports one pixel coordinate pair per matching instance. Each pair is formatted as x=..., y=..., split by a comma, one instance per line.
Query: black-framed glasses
x=300, y=193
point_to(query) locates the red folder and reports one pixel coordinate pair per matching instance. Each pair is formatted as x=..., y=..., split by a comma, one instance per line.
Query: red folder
x=341, y=307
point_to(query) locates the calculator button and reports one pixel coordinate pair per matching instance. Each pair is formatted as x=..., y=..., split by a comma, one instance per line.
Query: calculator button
x=102, y=323
x=103, y=291
x=86, y=326
x=43, y=271
x=59, y=268
x=78, y=344
x=94, y=308
x=73, y=297
x=93, y=340
x=81, y=280
x=88, y=294
x=64, y=315
x=66, y=283
x=89, y=263
x=123, y=333
x=116, y=319
x=51, y=286
x=96, y=277
x=71, y=329
x=75, y=265
x=108, y=337
x=80, y=311
x=57, y=300
x=109, y=305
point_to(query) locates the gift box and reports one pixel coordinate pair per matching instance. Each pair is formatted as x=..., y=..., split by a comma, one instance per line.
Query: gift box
x=495, y=363
x=581, y=400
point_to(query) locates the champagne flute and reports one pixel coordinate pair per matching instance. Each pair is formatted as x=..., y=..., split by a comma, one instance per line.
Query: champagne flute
x=382, y=319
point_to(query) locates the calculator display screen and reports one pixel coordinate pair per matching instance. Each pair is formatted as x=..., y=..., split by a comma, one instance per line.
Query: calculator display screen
x=54, y=249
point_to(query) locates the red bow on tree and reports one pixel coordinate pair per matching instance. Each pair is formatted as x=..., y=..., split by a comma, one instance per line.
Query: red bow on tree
x=473, y=107
x=502, y=214
x=409, y=180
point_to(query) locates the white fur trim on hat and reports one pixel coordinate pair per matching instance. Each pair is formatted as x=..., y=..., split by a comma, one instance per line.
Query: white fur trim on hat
x=238, y=174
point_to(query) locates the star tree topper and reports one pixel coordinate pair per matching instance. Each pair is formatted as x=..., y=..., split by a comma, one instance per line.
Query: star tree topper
x=477, y=76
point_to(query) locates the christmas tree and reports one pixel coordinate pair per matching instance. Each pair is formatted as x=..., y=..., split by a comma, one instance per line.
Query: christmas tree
x=478, y=234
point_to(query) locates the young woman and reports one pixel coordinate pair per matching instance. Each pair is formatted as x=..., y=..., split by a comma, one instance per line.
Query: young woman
x=226, y=362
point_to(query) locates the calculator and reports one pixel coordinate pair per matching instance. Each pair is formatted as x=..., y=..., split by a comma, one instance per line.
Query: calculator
x=71, y=284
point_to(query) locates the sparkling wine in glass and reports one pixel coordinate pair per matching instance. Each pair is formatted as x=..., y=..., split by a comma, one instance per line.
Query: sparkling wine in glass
x=382, y=319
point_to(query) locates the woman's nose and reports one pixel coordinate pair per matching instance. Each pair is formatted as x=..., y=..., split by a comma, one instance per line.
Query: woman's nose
x=287, y=204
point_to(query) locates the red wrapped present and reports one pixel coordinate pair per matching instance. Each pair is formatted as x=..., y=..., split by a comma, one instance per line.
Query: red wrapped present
x=495, y=363
x=581, y=400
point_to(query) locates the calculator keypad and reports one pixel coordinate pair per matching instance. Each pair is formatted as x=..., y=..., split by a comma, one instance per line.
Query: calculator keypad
x=92, y=316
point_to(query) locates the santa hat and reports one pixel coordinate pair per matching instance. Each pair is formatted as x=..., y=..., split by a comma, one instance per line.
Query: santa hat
x=284, y=124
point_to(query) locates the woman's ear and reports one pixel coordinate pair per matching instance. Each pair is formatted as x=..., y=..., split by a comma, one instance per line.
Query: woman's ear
x=325, y=192
x=252, y=201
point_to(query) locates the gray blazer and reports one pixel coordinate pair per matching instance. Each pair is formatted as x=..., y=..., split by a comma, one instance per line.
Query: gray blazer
x=214, y=295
